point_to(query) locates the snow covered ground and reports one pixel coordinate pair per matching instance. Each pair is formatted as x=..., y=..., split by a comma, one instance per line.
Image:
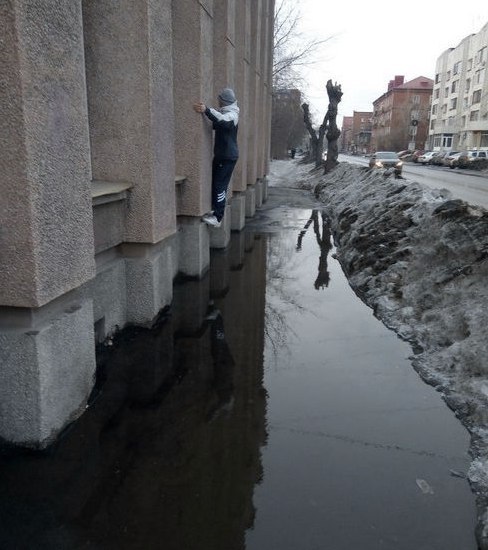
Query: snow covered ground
x=419, y=258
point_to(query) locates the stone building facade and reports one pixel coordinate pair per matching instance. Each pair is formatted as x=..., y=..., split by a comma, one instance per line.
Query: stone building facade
x=346, y=135
x=459, y=113
x=104, y=174
x=401, y=115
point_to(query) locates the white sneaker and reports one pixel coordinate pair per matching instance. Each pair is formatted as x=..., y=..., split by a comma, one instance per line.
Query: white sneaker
x=210, y=219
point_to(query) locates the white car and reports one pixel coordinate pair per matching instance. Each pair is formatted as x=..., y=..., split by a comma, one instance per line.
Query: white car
x=426, y=157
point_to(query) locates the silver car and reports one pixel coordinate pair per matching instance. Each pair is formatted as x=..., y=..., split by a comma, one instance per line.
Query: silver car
x=386, y=159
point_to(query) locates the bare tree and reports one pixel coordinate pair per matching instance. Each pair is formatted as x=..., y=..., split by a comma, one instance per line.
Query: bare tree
x=329, y=125
x=292, y=50
x=316, y=137
x=334, y=92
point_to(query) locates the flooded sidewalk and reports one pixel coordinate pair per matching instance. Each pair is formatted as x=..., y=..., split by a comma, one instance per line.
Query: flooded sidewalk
x=268, y=409
x=360, y=452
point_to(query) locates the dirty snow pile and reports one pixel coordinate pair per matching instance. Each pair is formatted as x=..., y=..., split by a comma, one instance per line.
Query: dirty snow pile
x=419, y=258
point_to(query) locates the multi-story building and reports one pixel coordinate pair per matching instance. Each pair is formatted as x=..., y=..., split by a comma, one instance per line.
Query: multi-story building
x=362, y=125
x=401, y=115
x=346, y=135
x=105, y=172
x=459, y=112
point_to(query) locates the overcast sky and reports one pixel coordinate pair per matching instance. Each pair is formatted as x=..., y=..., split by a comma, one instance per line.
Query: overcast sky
x=374, y=41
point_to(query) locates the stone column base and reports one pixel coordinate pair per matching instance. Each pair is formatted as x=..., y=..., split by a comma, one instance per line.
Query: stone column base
x=259, y=193
x=250, y=201
x=265, y=189
x=238, y=211
x=220, y=236
x=193, y=246
x=150, y=270
x=47, y=358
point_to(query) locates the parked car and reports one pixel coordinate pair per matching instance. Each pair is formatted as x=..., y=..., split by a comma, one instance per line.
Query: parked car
x=386, y=159
x=451, y=158
x=427, y=157
x=416, y=154
x=438, y=158
x=405, y=153
x=467, y=157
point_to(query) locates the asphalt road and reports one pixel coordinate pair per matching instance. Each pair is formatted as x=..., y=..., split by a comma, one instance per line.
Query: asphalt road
x=463, y=184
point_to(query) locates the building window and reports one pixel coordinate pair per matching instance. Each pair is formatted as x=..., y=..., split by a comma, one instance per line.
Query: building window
x=447, y=141
x=416, y=98
x=446, y=91
x=434, y=109
x=481, y=55
x=444, y=109
x=474, y=115
x=463, y=121
x=454, y=86
x=436, y=93
x=465, y=103
x=432, y=124
x=438, y=77
x=470, y=64
x=453, y=103
x=448, y=76
x=437, y=141
x=468, y=84
x=484, y=140
x=476, y=96
x=456, y=68
x=479, y=77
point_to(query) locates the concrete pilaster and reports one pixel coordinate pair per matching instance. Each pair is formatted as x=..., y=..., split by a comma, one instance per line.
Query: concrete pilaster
x=259, y=193
x=250, y=201
x=46, y=237
x=242, y=61
x=238, y=211
x=129, y=75
x=193, y=82
x=254, y=96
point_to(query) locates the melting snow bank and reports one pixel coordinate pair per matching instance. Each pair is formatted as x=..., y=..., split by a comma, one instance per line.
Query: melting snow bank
x=420, y=260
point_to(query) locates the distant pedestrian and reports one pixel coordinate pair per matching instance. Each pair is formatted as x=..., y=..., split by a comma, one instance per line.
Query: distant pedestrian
x=225, y=123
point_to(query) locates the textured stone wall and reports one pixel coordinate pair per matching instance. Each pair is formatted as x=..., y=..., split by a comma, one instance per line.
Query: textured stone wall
x=97, y=96
x=46, y=236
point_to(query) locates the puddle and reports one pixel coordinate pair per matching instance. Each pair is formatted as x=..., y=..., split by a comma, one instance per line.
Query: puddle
x=269, y=409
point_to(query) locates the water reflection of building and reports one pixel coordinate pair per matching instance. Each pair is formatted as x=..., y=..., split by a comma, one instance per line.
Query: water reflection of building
x=105, y=172
x=149, y=465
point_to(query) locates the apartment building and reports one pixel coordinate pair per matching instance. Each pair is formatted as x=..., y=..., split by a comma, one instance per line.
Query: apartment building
x=346, y=134
x=401, y=115
x=459, y=112
x=362, y=126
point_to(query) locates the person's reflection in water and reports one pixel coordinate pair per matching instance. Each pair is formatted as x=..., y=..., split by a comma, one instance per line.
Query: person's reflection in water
x=223, y=363
x=323, y=236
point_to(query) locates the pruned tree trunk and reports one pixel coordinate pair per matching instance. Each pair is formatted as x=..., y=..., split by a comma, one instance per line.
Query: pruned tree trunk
x=316, y=138
x=335, y=95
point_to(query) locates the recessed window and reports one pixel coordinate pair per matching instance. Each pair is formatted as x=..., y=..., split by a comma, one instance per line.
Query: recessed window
x=477, y=96
x=474, y=115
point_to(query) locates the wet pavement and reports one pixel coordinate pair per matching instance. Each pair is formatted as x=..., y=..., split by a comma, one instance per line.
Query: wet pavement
x=268, y=409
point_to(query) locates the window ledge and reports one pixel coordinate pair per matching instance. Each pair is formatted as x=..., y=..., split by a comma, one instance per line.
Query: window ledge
x=105, y=191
